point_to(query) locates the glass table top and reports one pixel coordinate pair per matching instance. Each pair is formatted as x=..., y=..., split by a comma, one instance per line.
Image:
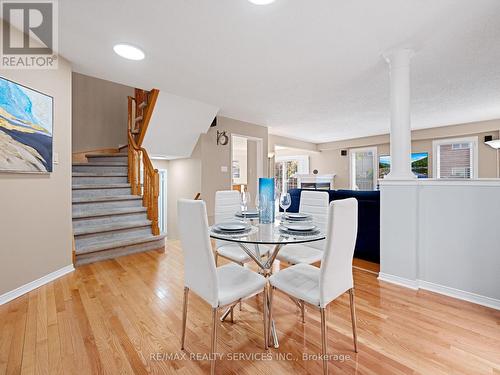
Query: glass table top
x=269, y=234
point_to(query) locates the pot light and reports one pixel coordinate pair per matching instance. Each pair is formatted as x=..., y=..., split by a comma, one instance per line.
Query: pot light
x=261, y=2
x=128, y=52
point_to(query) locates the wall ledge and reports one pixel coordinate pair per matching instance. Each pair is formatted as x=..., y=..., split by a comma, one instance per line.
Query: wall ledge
x=441, y=289
x=442, y=182
x=9, y=296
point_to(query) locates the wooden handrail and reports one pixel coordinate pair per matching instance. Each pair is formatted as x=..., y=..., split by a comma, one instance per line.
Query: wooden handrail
x=146, y=184
x=152, y=97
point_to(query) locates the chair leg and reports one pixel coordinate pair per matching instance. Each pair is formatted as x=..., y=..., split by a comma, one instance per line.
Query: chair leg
x=353, y=319
x=270, y=313
x=184, y=315
x=213, y=347
x=216, y=256
x=323, y=341
x=303, y=311
x=266, y=313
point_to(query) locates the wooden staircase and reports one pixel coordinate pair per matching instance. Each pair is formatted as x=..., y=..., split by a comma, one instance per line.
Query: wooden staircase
x=115, y=195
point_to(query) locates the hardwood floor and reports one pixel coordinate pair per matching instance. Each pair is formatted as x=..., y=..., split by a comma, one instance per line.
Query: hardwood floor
x=123, y=316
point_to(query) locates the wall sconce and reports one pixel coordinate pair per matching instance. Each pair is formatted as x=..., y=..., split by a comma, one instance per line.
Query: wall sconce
x=494, y=143
x=222, y=138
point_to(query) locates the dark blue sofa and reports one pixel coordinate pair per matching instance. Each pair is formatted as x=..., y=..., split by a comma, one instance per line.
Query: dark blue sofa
x=368, y=240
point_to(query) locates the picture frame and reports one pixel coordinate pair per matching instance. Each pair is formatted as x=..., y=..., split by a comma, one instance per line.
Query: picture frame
x=26, y=129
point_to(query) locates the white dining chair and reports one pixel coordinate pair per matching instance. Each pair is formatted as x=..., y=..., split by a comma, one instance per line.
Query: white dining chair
x=227, y=203
x=314, y=203
x=218, y=286
x=320, y=286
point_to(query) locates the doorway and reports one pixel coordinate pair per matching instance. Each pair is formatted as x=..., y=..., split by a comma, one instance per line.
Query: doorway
x=363, y=168
x=246, y=163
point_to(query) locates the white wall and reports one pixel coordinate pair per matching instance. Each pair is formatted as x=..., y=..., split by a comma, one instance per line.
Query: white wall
x=176, y=125
x=443, y=236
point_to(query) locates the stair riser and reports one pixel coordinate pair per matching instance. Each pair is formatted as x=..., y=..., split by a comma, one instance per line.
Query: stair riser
x=87, y=193
x=99, y=180
x=100, y=168
x=97, y=238
x=79, y=223
x=123, y=160
x=85, y=207
x=120, y=251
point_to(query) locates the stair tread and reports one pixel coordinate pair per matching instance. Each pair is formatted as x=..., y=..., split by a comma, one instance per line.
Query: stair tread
x=99, y=186
x=108, y=212
x=108, y=198
x=111, y=244
x=111, y=227
x=92, y=174
x=108, y=155
x=104, y=164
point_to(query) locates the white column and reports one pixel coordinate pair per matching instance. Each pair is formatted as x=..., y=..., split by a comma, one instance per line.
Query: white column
x=399, y=63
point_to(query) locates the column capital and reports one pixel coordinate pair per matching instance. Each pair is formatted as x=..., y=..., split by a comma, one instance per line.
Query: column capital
x=398, y=57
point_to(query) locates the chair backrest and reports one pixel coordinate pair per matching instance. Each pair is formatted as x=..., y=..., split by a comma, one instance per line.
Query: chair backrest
x=316, y=204
x=227, y=203
x=199, y=266
x=336, y=266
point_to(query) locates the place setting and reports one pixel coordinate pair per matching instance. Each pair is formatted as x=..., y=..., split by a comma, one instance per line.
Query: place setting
x=232, y=228
x=299, y=228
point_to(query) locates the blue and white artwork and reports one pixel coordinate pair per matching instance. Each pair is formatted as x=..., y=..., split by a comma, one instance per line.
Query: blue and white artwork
x=26, y=125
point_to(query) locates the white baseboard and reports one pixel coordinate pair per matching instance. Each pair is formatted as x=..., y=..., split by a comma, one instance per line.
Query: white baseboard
x=460, y=294
x=9, y=296
x=407, y=283
x=441, y=289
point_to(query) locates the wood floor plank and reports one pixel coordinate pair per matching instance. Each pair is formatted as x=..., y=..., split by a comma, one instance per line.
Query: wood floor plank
x=123, y=316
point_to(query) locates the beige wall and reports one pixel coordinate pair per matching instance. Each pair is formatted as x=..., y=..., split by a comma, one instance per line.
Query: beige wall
x=276, y=140
x=329, y=160
x=183, y=181
x=216, y=156
x=35, y=219
x=99, y=113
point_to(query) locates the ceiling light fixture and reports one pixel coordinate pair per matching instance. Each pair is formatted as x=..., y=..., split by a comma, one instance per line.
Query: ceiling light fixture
x=128, y=52
x=261, y=2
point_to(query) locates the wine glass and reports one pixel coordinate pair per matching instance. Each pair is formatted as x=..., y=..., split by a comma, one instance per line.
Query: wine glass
x=257, y=202
x=285, y=202
x=244, y=202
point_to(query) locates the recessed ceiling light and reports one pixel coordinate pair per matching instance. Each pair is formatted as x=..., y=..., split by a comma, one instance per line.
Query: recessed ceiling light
x=128, y=52
x=261, y=2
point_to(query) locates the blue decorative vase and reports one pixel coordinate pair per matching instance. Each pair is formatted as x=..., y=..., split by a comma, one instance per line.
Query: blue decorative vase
x=266, y=200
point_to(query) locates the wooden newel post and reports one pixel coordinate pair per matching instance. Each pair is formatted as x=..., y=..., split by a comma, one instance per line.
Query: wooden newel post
x=156, y=194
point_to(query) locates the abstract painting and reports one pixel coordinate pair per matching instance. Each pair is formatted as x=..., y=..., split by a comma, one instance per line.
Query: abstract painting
x=26, y=125
x=419, y=165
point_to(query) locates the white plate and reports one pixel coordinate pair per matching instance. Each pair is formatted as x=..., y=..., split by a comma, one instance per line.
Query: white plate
x=296, y=215
x=248, y=213
x=303, y=227
x=232, y=226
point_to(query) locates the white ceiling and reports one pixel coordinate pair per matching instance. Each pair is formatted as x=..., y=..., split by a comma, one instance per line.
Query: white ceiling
x=310, y=70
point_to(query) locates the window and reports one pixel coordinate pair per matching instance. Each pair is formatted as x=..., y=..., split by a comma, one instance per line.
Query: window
x=285, y=169
x=455, y=158
x=363, y=168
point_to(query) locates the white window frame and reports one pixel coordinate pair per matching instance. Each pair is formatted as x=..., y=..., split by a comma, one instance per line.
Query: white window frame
x=374, y=150
x=445, y=141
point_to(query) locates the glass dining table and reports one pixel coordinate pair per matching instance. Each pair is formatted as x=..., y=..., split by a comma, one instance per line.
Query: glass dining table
x=265, y=235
